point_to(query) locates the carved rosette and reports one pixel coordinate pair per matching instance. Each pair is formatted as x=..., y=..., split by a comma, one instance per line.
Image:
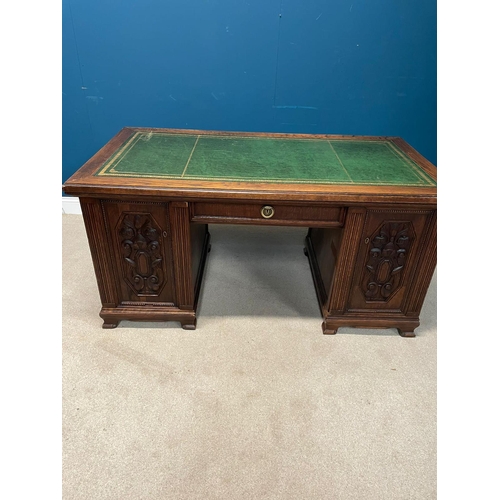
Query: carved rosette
x=390, y=246
x=139, y=238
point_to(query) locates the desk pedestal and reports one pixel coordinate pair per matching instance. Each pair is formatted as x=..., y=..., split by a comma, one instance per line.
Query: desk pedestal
x=371, y=265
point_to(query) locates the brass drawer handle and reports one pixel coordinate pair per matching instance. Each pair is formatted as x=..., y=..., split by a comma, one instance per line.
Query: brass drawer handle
x=267, y=211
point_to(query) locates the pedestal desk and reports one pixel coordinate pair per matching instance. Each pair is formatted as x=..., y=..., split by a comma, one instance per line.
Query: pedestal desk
x=148, y=197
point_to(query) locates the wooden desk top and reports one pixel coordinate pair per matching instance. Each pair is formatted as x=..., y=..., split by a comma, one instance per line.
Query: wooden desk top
x=206, y=164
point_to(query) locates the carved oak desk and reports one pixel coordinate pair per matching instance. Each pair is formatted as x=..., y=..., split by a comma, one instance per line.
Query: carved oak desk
x=148, y=196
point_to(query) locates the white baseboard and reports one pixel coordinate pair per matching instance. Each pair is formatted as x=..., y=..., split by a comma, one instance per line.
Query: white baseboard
x=71, y=205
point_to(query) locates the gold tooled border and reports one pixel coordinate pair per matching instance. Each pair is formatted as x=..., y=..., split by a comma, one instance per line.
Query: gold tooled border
x=108, y=169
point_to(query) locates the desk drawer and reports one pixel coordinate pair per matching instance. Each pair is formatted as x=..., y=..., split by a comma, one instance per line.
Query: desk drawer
x=268, y=213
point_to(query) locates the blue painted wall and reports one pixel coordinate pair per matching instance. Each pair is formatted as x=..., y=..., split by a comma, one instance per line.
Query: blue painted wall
x=364, y=67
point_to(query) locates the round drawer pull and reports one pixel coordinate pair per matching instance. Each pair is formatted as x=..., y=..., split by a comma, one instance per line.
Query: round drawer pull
x=267, y=211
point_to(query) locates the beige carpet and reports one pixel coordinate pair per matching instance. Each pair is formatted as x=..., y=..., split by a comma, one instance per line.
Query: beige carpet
x=256, y=403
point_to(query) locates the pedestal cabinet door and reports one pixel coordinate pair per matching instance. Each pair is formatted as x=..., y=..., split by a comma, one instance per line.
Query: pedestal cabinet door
x=388, y=254
x=139, y=236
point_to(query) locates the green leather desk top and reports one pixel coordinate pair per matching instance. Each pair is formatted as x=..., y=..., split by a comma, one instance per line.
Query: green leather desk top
x=262, y=159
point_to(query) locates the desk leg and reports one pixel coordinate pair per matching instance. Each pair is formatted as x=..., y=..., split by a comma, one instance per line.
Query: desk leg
x=189, y=324
x=107, y=325
x=329, y=330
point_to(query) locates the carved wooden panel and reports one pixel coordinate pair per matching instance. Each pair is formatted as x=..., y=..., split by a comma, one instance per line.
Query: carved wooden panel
x=140, y=243
x=389, y=249
x=139, y=236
